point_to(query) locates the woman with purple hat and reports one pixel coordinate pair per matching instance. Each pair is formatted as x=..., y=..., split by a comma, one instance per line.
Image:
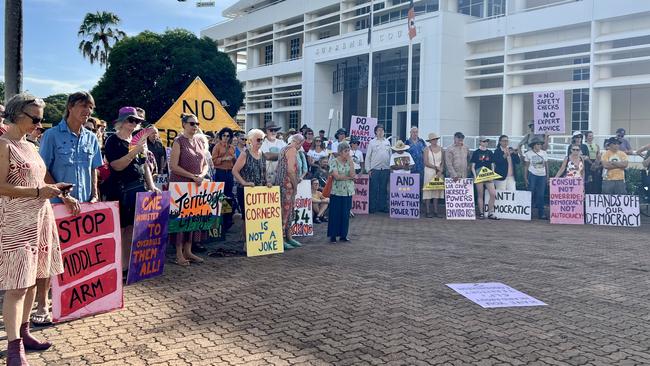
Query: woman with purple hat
x=130, y=173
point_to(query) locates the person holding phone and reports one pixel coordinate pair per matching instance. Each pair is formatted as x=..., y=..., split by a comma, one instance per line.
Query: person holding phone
x=223, y=158
x=29, y=243
x=342, y=169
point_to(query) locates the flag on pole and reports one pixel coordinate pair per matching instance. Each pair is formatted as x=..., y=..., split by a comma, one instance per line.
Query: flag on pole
x=411, y=21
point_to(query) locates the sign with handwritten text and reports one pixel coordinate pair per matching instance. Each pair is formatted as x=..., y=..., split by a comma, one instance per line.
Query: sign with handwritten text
x=302, y=223
x=612, y=210
x=360, y=197
x=363, y=129
x=459, y=199
x=263, y=221
x=405, y=196
x=194, y=207
x=567, y=201
x=91, y=281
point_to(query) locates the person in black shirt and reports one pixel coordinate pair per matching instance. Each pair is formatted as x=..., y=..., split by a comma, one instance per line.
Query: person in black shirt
x=482, y=157
x=505, y=164
x=156, y=147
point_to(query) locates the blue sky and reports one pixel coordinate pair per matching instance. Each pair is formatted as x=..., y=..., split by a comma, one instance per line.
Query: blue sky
x=52, y=62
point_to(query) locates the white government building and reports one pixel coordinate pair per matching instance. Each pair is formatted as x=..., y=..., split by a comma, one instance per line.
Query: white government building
x=476, y=63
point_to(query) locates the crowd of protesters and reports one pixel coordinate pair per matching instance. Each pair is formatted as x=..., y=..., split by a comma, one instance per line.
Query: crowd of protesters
x=75, y=162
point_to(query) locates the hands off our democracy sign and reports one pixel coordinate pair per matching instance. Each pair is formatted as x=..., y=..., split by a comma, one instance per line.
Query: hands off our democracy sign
x=549, y=112
x=612, y=210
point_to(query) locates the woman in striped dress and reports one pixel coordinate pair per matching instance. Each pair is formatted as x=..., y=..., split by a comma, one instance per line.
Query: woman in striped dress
x=29, y=243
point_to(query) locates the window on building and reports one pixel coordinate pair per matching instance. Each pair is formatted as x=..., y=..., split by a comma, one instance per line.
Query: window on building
x=294, y=49
x=294, y=119
x=496, y=8
x=268, y=104
x=268, y=54
x=580, y=98
x=324, y=34
x=471, y=7
x=268, y=116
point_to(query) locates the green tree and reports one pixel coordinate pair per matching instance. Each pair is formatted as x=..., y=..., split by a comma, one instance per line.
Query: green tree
x=2, y=91
x=54, y=108
x=99, y=36
x=151, y=71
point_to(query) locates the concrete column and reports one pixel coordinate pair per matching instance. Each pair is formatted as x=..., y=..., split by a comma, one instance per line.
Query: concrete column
x=449, y=5
x=516, y=115
x=604, y=110
x=514, y=6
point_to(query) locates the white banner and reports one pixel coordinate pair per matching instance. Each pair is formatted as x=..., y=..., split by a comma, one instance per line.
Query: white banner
x=612, y=210
x=302, y=223
x=510, y=205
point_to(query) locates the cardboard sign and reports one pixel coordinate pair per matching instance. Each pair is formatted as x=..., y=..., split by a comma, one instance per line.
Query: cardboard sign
x=363, y=129
x=91, y=281
x=459, y=199
x=549, y=112
x=303, y=220
x=486, y=175
x=567, y=197
x=510, y=205
x=405, y=196
x=198, y=100
x=612, y=210
x=161, y=181
x=494, y=295
x=194, y=207
x=436, y=184
x=360, y=197
x=263, y=221
x=149, y=242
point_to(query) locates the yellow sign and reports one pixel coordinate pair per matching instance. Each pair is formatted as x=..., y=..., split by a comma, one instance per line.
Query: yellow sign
x=436, y=184
x=198, y=100
x=486, y=175
x=263, y=221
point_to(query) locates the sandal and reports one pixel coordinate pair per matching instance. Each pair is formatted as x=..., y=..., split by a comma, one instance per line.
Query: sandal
x=493, y=217
x=41, y=320
x=196, y=259
x=185, y=263
x=480, y=216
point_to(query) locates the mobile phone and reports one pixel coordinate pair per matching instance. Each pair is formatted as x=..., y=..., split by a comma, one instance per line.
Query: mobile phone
x=66, y=187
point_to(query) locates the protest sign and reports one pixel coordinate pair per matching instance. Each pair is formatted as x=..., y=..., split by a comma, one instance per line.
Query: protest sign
x=362, y=129
x=91, y=281
x=435, y=184
x=263, y=221
x=360, y=197
x=161, y=181
x=549, y=112
x=567, y=197
x=494, y=295
x=459, y=199
x=194, y=207
x=149, y=242
x=612, y=210
x=510, y=205
x=405, y=196
x=486, y=175
x=302, y=223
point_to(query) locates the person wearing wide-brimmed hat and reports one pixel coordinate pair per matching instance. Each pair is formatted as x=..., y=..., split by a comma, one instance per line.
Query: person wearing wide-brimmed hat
x=434, y=167
x=401, y=161
x=271, y=149
x=484, y=158
x=528, y=137
x=536, y=173
x=457, y=157
x=339, y=137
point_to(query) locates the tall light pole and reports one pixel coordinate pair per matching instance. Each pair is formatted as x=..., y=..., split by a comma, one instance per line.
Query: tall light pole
x=13, y=47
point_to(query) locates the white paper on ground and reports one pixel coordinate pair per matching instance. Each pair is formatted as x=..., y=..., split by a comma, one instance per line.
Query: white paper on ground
x=494, y=295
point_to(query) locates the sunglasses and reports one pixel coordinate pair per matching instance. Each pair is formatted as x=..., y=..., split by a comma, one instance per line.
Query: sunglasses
x=134, y=120
x=258, y=140
x=35, y=120
x=575, y=149
x=226, y=135
x=193, y=124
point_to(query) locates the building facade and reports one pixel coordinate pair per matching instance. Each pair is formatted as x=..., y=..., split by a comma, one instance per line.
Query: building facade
x=475, y=63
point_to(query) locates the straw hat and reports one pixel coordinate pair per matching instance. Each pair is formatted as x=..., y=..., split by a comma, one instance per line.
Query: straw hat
x=400, y=146
x=432, y=136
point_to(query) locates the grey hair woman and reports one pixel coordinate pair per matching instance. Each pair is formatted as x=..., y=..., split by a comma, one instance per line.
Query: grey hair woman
x=342, y=171
x=287, y=177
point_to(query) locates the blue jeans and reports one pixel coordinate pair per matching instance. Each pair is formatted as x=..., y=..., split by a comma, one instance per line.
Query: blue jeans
x=537, y=187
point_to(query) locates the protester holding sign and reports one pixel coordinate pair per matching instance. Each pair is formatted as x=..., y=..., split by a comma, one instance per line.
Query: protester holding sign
x=456, y=157
x=29, y=244
x=536, y=165
x=401, y=161
x=342, y=170
x=188, y=163
x=505, y=164
x=483, y=158
x=287, y=177
x=129, y=172
x=615, y=163
x=434, y=167
x=250, y=168
x=378, y=165
x=573, y=165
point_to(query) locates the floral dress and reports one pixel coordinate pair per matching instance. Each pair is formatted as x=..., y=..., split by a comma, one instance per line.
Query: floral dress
x=287, y=188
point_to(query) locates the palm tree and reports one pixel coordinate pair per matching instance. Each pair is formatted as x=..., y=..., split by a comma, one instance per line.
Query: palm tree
x=13, y=48
x=99, y=35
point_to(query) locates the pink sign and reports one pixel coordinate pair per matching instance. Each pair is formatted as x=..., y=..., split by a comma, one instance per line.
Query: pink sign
x=567, y=201
x=360, y=197
x=363, y=129
x=549, y=112
x=91, y=281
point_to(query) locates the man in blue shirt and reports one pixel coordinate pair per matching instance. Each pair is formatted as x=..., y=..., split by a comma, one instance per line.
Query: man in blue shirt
x=416, y=149
x=72, y=152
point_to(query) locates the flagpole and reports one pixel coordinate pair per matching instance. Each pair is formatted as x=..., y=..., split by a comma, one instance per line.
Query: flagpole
x=409, y=86
x=369, y=100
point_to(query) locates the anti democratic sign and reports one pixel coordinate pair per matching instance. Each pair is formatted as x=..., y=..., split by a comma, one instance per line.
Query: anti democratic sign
x=194, y=207
x=612, y=210
x=567, y=197
x=149, y=242
x=459, y=199
x=360, y=197
x=405, y=196
x=510, y=205
x=91, y=281
x=494, y=295
x=363, y=129
x=302, y=223
x=549, y=112
x=263, y=221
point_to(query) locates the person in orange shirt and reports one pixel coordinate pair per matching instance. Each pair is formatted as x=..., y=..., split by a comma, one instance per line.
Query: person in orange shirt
x=223, y=158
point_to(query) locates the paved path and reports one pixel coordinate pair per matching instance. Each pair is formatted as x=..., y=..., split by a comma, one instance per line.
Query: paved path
x=382, y=299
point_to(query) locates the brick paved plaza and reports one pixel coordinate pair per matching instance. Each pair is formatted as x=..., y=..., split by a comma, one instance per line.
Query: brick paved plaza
x=382, y=299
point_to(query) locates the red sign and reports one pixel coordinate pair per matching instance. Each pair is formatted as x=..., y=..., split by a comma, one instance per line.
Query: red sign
x=85, y=293
x=73, y=230
x=86, y=259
